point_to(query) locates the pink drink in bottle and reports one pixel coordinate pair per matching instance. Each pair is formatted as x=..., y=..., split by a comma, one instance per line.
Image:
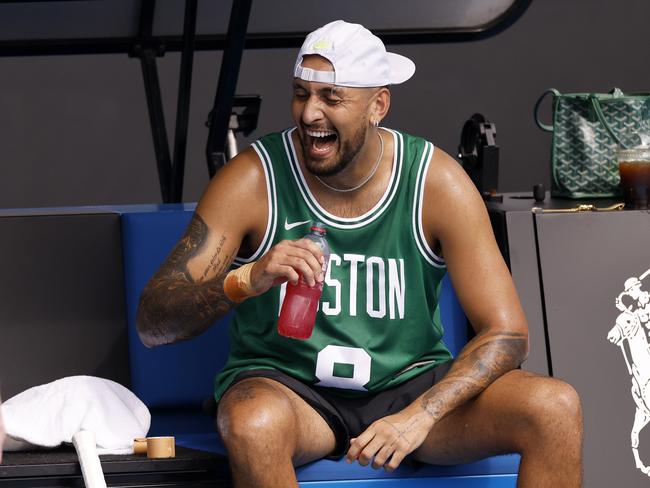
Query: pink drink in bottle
x=298, y=311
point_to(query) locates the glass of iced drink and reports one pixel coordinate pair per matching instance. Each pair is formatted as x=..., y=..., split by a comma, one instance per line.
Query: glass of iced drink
x=634, y=168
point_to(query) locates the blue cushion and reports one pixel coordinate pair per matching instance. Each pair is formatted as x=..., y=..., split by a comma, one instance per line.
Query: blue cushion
x=492, y=481
x=453, y=318
x=327, y=469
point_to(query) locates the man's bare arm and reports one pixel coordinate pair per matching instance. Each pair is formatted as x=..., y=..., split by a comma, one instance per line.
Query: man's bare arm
x=485, y=358
x=484, y=287
x=186, y=295
x=455, y=214
x=174, y=305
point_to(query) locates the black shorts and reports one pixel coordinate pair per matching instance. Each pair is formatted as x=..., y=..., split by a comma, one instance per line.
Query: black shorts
x=349, y=417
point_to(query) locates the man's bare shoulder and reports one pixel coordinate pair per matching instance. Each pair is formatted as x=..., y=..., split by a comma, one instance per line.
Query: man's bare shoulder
x=242, y=179
x=235, y=200
x=448, y=188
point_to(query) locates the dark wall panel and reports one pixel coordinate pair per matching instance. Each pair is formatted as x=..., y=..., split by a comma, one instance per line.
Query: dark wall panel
x=62, y=300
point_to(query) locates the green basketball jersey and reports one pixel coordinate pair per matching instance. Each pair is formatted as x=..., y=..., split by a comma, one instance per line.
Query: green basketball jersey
x=378, y=322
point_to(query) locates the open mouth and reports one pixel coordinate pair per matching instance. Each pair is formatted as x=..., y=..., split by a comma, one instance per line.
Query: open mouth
x=321, y=143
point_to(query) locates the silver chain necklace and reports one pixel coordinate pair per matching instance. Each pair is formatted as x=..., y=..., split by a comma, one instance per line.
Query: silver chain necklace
x=372, y=173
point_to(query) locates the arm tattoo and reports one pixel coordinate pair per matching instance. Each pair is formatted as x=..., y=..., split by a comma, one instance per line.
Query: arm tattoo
x=485, y=358
x=173, y=306
x=215, y=261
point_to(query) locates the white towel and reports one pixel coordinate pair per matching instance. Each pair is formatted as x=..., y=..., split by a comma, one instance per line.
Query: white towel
x=51, y=414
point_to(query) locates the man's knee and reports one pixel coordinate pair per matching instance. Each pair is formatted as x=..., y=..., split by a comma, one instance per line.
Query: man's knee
x=256, y=414
x=558, y=400
x=554, y=408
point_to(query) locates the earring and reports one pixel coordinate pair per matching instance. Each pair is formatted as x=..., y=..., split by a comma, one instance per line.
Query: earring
x=375, y=123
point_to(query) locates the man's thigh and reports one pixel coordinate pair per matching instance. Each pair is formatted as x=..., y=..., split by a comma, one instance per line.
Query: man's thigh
x=258, y=400
x=495, y=422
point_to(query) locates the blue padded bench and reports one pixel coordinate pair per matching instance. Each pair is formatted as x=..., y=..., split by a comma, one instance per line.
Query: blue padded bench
x=174, y=380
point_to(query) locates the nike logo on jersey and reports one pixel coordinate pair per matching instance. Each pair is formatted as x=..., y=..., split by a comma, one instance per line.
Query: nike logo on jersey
x=289, y=226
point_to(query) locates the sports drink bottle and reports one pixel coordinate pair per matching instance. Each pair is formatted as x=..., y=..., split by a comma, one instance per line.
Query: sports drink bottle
x=300, y=304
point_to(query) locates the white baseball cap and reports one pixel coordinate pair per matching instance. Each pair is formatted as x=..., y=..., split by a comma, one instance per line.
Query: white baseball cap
x=358, y=56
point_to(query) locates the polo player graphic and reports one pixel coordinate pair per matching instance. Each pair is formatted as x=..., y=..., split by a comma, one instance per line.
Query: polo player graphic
x=631, y=334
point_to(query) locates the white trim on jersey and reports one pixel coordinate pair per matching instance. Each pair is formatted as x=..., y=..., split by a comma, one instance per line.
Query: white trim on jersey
x=346, y=222
x=418, y=231
x=272, y=204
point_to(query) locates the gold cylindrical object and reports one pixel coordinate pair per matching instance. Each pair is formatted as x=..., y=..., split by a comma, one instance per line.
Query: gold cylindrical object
x=161, y=447
x=140, y=445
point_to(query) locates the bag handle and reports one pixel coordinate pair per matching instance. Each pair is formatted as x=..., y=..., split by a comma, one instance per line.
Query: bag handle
x=540, y=124
x=595, y=103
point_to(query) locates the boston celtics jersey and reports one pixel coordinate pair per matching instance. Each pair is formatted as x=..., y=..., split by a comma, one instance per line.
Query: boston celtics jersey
x=378, y=322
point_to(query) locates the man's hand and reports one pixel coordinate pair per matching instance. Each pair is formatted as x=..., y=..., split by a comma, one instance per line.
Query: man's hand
x=288, y=261
x=390, y=439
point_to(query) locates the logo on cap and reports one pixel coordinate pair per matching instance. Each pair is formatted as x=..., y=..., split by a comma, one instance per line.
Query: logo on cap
x=322, y=44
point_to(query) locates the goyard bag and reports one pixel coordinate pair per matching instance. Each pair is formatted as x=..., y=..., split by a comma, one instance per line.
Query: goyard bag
x=587, y=128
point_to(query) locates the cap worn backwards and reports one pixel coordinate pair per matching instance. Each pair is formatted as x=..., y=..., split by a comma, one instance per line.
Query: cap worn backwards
x=358, y=56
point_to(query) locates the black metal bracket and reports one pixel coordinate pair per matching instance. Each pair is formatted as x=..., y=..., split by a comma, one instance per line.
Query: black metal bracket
x=215, y=150
x=221, y=119
x=243, y=118
x=147, y=48
x=244, y=115
x=183, y=105
x=479, y=155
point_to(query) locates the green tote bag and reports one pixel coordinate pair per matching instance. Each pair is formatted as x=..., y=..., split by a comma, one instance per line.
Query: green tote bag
x=587, y=128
